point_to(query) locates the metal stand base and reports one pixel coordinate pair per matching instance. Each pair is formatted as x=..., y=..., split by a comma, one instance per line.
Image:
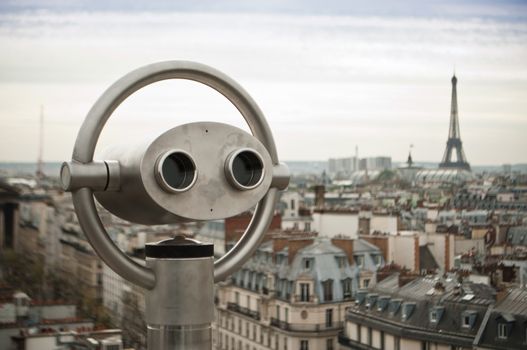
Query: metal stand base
x=196, y=337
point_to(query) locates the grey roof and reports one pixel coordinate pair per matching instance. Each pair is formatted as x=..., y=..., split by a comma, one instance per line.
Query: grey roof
x=419, y=298
x=511, y=311
x=324, y=266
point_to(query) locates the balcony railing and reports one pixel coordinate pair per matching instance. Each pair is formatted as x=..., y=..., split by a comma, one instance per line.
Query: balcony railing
x=307, y=327
x=243, y=310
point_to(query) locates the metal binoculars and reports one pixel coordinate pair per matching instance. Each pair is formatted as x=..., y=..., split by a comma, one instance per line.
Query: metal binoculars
x=192, y=172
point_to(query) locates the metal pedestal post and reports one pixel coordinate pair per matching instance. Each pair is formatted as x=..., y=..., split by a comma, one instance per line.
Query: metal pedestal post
x=180, y=308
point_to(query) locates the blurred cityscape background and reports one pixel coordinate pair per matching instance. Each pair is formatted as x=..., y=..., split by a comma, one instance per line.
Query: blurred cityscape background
x=405, y=223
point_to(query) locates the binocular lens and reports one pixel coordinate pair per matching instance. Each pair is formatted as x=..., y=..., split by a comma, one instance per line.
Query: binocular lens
x=178, y=171
x=247, y=169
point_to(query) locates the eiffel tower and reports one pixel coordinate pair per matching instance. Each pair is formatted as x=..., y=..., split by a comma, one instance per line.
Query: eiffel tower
x=454, y=143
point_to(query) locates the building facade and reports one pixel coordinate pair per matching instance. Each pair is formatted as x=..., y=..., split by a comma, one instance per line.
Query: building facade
x=292, y=294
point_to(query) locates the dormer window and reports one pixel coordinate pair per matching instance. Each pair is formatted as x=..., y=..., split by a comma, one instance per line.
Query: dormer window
x=503, y=331
x=395, y=305
x=505, y=323
x=371, y=299
x=360, y=297
x=383, y=302
x=341, y=261
x=307, y=263
x=408, y=309
x=468, y=319
x=327, y=287
x=346, y=288
x=436, y=313
x=359, y=259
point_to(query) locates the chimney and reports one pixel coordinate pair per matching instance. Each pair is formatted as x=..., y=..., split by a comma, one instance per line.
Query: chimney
x=296, y=244
x=381, y=242
x=364, y=226
x=417, y=255
x=346, y=244
x=320, y=191
x=279, y=243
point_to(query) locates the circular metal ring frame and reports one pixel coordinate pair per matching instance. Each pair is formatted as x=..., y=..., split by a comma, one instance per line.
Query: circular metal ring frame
x=90, y=131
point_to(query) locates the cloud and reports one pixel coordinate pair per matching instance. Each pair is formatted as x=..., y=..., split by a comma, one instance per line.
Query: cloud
x=378, y=81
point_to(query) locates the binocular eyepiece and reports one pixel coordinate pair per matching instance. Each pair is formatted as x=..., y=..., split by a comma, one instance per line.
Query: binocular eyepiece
x=176, y=171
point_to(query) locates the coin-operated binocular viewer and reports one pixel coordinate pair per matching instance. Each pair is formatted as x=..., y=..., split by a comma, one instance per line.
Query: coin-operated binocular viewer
x=193, y=172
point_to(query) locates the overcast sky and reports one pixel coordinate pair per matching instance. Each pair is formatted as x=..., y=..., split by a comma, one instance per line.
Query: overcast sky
x=328, y=75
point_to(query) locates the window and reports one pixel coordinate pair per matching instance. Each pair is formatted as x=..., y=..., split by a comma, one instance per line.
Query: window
x=304, y=345
x=308, y=263
x=240, y=326
x=366, y=282
x=341, y=261
x=346, y=288
x=433, y=316
x=304, y=292
x=503, y=331
x=396, y=343
x=277, y=312
x=292, y=204
x=237, y=297
x=377, y=260
x=247, y=329
x=254, y=332
x=286, y=314
x=425, y=345
x=327, y=287
x=285, y=343
x=468, y=318
x=329, y=344
x=369, y=336
x=248, y=302
x=329, y=318
x=307, y=226
x=359, y=259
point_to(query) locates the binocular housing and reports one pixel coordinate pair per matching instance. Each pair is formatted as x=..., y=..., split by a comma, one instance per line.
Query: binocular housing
x=193, y=172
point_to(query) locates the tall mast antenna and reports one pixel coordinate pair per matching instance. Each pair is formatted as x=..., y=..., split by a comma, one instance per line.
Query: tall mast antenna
x=40, y=164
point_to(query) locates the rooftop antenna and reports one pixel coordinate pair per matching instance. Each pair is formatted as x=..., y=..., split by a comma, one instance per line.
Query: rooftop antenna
x=356, y=165
x=40, y=164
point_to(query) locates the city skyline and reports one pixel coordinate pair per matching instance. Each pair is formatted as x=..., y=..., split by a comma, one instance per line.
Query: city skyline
x=326, y=81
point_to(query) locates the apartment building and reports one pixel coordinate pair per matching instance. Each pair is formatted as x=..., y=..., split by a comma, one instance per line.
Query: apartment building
x=426, y=313
x=292, y=294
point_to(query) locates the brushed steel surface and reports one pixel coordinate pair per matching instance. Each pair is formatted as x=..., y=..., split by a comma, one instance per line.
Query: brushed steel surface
x=183, y=294
x=209, y=144
x=114, y=257
x=89, y=134
x=162, y=337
